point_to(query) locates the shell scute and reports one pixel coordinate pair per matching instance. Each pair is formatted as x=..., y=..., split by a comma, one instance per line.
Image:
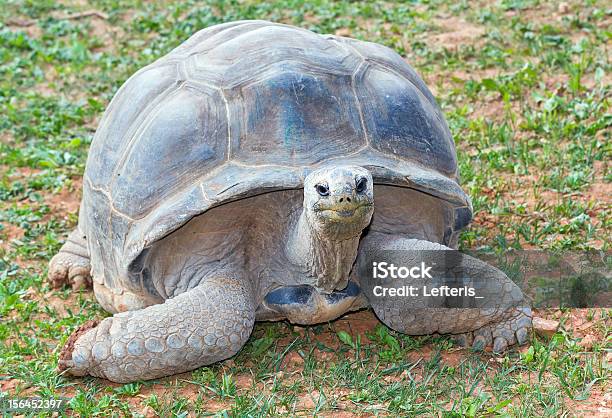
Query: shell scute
x=184, y=138
x=126, y=111
x=282, y=119
x=401, y=121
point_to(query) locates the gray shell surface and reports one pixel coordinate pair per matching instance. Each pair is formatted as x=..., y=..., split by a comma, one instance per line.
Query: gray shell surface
x=244, y=108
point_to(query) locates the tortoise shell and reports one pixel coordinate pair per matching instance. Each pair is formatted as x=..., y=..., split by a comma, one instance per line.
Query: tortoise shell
x=250, y=107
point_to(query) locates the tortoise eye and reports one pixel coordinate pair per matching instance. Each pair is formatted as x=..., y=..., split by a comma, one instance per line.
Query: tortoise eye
x=362, y=183
x=322, y=189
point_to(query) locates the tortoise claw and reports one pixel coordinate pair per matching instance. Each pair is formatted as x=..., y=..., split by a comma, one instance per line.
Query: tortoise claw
x=500, y=345
x=71, y=264
x=500, y=335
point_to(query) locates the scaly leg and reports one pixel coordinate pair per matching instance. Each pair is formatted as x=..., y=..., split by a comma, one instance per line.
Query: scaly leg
x=206, y=324
x=500, y=318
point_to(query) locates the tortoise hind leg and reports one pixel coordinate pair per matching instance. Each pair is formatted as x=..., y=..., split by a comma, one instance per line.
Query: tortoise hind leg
x=71, y=264
x=206, y=324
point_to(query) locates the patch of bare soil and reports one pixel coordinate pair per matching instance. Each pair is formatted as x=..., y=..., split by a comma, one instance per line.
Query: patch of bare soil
x=526, y=191
x=10, y=385
x=308, y=401
x=454, y=33
x=591, y=329
x=23, y=173
x=74, y=3
x=358, y=323
x=599, y=404
x=554, y=13
x=68, y=200
x=31, y=29
x=8, y=233
x=440, y=82
x=60, y=305
x=600, y=191
x=292, y=361
x=597, y=196
x=98, y=24
x=107, y=34
x=549, y=13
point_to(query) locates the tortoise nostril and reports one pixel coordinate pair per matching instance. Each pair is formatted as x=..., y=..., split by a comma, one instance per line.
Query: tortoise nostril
x=341, y=199
x=348, y=199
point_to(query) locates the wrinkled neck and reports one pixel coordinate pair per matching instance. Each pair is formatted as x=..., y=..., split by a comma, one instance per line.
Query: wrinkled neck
x=324, y=255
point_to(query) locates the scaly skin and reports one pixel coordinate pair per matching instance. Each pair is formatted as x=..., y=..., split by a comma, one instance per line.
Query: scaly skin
x=502, y=318
x=206, y=324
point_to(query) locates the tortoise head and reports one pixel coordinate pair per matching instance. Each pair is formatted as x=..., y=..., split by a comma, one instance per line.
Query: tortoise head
x=339, y=201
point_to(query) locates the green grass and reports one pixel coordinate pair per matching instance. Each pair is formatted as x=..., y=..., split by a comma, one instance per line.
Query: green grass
x=526, y=91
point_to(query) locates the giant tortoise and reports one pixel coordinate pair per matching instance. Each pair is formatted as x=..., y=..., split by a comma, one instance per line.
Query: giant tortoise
x=244, y=176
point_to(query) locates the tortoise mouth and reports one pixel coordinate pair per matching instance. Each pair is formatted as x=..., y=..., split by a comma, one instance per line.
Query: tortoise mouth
x=345, y=212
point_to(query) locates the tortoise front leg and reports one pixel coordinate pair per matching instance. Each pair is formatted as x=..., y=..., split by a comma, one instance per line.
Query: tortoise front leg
x=209, y=323
x=501, y=318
